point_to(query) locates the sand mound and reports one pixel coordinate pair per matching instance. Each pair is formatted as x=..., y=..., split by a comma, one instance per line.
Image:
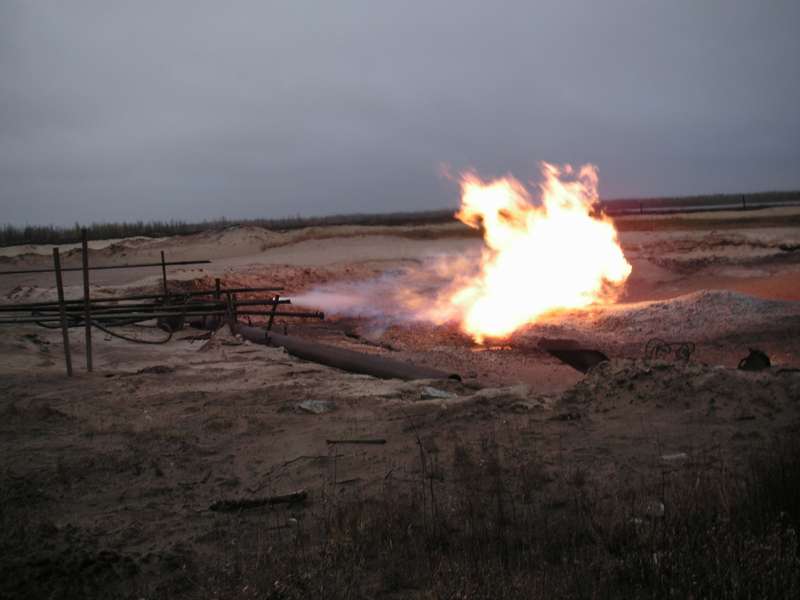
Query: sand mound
x=714, y=391
x=698, y=316
x=711, y=311
x=688, y=252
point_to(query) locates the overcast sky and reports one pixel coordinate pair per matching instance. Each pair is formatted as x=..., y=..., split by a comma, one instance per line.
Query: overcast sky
x=136, y=109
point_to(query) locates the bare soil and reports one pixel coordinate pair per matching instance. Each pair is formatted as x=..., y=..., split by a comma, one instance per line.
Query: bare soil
x=108, y=478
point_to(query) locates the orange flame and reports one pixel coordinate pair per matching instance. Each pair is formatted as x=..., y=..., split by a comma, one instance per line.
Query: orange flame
x=536, y=259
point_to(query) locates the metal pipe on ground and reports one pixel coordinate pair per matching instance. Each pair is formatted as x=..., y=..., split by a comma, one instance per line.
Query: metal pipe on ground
x=347, y=360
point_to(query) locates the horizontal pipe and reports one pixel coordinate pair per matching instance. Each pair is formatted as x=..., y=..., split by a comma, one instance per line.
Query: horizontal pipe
x=175, y=308
x=101, y=268
x=154, y=315
x=278, y=313
x=347, y=360
x=260, y=302
x=7, y=307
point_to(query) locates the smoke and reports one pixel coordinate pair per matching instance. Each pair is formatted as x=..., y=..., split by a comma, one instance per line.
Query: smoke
x=418, y=293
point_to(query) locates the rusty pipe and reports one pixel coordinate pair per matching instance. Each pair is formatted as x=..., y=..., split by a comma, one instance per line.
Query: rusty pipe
x=340, y=358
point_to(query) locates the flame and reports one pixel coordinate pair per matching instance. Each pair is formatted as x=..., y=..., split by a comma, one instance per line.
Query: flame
x=536, y=259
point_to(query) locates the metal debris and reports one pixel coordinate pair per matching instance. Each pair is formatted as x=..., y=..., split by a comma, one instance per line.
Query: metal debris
x=674, y=457
x=317, y=407
x=432, y=393
x=658, y=348
x=244, y=503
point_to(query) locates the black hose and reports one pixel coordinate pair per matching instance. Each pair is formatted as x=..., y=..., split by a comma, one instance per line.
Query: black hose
x=78, y=322
x=130, y=339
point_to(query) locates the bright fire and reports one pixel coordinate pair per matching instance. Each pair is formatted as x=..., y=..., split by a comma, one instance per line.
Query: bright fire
x=536, y=259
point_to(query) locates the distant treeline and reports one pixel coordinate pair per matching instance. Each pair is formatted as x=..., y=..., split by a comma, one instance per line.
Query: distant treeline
x=11, y=235
x=752, y=200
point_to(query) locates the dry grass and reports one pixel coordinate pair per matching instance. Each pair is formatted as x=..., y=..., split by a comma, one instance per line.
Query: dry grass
x=491, y=521
x=495, y=525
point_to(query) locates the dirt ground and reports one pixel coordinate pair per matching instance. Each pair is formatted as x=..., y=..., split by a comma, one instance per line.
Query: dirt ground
x=108, y=478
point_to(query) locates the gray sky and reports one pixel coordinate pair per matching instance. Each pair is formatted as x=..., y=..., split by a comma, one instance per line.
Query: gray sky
x=193, y=109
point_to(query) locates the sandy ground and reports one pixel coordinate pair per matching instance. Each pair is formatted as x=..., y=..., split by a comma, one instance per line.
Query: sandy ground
x=108, y=477
x=756, y=259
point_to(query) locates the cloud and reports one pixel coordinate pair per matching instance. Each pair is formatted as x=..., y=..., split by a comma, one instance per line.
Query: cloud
x=194, y=109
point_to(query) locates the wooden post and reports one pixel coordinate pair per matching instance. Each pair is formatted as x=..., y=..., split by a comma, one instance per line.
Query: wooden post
x=217, y=293
x=229, y=313
x=744, y=203
x=272, y=314
x=62, y=310
x=164, y=275
x=87, y=311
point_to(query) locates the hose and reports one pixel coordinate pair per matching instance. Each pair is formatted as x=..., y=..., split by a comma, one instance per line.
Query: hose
x=130, y=339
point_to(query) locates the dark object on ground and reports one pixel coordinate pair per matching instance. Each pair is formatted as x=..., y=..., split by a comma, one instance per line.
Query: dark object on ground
x=171, y=323
x=755, y=361
x=241, y=504
x=361, y=441
x=658, y=348
x=156, y=370
x=566, y=416
x=571, y=353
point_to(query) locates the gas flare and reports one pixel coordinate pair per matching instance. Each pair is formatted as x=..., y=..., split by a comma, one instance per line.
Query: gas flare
x=536, y=258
